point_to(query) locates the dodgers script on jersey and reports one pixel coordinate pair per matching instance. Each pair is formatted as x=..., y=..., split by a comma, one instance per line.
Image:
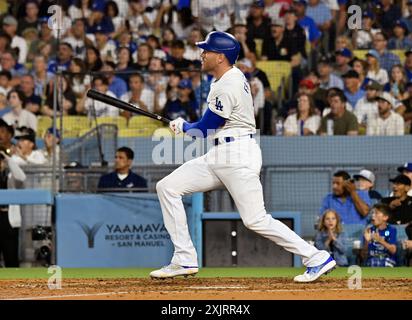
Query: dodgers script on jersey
x=231, y=98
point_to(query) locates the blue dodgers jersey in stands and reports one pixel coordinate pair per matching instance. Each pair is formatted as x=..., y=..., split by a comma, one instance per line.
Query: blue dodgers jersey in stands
x=378, y=256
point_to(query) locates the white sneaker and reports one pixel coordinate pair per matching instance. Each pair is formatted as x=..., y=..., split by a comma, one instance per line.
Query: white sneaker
x=313, y=273
x=174, y=270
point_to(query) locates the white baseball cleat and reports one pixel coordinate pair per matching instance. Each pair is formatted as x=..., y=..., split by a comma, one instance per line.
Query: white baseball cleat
x=313, y=273
x=174, y=270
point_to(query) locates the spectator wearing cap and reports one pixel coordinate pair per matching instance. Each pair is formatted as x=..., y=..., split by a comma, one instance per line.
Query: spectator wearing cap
x=97, y=19
x=400, y=203
x=10, y=27
x=78, y=39
x=294, y=34
x=386, y=59
x=343, y=57
x=45, y=45
x=343, y=121
x=367, y=107
x=218, y=15
x=405, y=110
x=277, y=47
x=364, y=36
x=375, y=72
x=305, y=121
x=353, y=90
x=104, y=44
x=326, y=78
x=389, y=14
x=352, y=205
x=247, y=44
x=31, y=17
x=380, y=239
x=256, y=86
x=399, y=40
x=406, y=169
x=26, y=151
x=307, y=23
x=365, y=180
x=258, y=25
x=6, y=137
x=397, y=83
x=185, y=105
x=63, y=59
x=51, y=140
x=177, y=51
x=388, y=122
x=19, y=117
x=116, y=84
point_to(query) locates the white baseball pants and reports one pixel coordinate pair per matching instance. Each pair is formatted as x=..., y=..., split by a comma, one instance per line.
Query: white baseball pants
x=235, y=165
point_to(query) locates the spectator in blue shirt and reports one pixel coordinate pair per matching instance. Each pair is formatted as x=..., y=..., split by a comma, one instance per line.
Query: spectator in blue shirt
x=331, y=238
x=386, y=59
x=408, y=20
x=399, y=40
x=97, y=19
x=307, y=23
x=320, y=13
x=63, y=60
x=380, y=239
x=123, y=177
x=116, y=84
x=352, y=205
x=353, y=91
x=185, y=105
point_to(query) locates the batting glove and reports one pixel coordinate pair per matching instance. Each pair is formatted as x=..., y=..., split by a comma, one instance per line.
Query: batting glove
x=177, y=125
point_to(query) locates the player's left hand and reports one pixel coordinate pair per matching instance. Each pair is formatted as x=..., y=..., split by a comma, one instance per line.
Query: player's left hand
x=177, y=125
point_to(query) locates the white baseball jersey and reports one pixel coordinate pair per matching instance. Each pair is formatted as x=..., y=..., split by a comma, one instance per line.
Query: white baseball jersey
x=213, y=14
x=230, y=97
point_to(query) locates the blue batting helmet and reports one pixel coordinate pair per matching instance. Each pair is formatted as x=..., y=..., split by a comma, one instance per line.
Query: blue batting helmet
x=221, y=42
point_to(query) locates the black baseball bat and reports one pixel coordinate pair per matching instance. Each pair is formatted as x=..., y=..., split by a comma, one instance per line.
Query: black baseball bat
x=96, y=95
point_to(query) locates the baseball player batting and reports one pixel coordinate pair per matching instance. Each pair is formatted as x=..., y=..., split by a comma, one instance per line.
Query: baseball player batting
x=230, y=116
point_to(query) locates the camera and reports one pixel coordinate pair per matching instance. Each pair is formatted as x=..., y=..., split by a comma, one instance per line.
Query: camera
x=42, y=243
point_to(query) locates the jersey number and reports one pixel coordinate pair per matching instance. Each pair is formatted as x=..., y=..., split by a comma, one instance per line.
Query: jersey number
x=219, y=105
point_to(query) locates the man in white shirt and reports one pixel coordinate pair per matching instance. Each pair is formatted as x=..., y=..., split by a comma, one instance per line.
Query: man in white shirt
x=19, y=117
x=139, y=94
x=26, y=153
x=97, y=108
x=388, y=122
x=10, y=27
x=367, y=107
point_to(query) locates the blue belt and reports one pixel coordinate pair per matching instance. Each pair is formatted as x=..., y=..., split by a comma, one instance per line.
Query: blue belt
x=227, y=139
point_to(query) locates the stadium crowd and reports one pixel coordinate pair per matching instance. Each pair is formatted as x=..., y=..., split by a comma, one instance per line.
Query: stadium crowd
x=144, y=52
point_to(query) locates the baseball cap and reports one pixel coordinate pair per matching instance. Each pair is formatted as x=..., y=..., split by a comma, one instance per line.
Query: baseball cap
x=98, y=5
x=399, y=23
x=278, y=22
x=102, y=28
x=365, y=174
x=26, y=134
x=258, y=3
x=344, y=52
x=373, y=53
x=386, y=96
x=367, y=14
x=407, y=166
x=307, y=83
x=185, y=84
x=401, y=179
x=351, y=74
x=303, y=2
x=373, y=85
x=246, y=62
x=51, y=131
x=324, y=60
x=10, y=20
